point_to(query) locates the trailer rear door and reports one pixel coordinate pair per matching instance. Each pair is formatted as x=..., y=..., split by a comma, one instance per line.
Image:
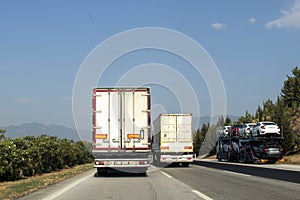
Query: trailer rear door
x=121, y=119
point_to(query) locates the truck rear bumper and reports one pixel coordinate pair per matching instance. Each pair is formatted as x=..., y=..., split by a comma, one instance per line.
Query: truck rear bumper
x=176, y=158
x=121, y=163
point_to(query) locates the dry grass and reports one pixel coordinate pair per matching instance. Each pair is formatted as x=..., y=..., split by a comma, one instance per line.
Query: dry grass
x=293, y=159
x=13, y=189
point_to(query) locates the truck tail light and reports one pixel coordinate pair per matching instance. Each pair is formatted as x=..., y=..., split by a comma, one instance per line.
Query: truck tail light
x=143, y=162
x=164, y=147
x=189, y=158
x=99, y=162
x=133, y=136
x=188, y=147
x=101, y=136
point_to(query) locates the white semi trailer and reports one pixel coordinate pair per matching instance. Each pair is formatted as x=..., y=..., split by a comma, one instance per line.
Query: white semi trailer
x=172, y=139
x=121, y=129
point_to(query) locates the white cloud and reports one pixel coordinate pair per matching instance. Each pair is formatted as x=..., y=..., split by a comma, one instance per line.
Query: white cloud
x=290, y=18
x=218, y=26
x=27, y=100
x=251, y=20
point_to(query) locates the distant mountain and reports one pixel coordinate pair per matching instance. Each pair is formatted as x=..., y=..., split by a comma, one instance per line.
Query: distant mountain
x=37, y=129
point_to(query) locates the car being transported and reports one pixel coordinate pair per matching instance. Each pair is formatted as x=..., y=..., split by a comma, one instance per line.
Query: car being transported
x=267, y=150
x=246, y=129
x=266, y=129
x=234, y=131
x=224, y=131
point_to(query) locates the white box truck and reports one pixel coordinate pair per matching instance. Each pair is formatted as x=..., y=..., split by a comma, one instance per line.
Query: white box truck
x=121, y=129
x=172, y=140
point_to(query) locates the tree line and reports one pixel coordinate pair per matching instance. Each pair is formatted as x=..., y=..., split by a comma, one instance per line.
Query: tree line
x=30, y=155
x=285, y=111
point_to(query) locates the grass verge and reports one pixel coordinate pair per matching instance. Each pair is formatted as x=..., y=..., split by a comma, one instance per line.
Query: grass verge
x=14, y=189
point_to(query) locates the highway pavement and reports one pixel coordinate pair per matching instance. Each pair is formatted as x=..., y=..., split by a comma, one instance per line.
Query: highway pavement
x=174, y=182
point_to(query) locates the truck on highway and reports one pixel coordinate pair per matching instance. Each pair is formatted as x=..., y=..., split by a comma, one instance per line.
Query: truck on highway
x=249, y=149
x=172, y=139
x=121, y=129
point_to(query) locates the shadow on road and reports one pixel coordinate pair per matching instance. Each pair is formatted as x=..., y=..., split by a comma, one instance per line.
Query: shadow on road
x=277, y=174
x=113, y=173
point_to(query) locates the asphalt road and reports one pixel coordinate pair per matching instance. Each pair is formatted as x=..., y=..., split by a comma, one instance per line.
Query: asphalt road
x=195, y=182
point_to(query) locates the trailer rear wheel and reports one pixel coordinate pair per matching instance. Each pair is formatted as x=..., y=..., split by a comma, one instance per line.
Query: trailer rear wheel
x=219, y=157
x=229, y=156
x=101, y=171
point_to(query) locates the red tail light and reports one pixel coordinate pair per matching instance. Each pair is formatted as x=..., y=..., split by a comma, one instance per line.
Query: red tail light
x=142, y=162
x=263, y=127
x=281, y=149
x=99, y=162
x=266, y=149
x=248, y=129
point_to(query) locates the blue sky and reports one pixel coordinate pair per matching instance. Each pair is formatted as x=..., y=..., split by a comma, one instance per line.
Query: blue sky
x=254, y=44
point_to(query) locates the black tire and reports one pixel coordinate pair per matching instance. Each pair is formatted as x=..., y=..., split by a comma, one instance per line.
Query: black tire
x=154, y=160
x=246, y=159
x=219, y=157
x=101, y=172
x=240, y=157
x=228, y=156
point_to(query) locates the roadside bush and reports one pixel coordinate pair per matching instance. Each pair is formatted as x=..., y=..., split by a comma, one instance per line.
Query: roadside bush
x=31, y=155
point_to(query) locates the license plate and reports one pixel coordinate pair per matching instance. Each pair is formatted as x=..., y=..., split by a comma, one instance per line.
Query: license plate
x=274, y=151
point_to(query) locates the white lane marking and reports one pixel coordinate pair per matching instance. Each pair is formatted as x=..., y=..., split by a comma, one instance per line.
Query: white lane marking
x=203, y=196
x=64, y=189
x=235, y=173
x=167, y=175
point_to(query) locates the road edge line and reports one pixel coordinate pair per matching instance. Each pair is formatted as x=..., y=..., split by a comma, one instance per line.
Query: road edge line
x=66, y=188
x=203, y=196
x=167, y=175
